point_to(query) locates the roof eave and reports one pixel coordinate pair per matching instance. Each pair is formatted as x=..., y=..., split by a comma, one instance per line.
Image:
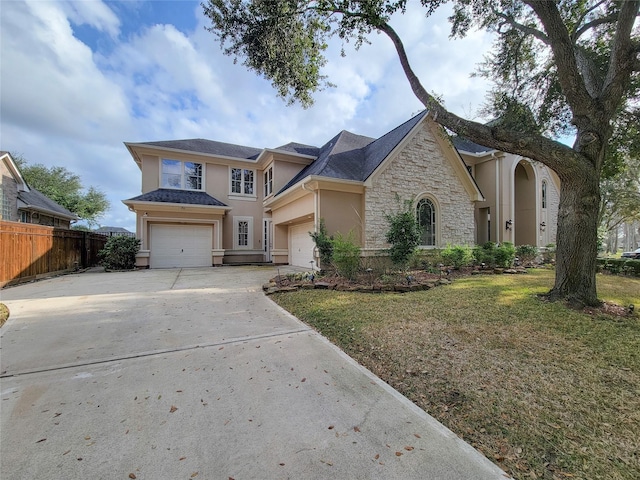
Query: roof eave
x=133, y=203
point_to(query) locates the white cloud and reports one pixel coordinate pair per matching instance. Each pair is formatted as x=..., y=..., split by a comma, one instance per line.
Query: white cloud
x=64, y=104
x=94, y=13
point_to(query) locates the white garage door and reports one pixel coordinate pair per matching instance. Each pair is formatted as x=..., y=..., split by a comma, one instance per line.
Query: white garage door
x=302, y=245
x=180, y=246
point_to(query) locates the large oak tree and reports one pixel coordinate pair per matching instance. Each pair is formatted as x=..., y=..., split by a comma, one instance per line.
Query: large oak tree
x=564, y=66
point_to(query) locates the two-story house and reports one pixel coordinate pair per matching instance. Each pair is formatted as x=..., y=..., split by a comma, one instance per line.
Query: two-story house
x=207, y=203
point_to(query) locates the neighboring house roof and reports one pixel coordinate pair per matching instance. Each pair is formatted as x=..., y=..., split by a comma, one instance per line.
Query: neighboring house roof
x=15, y=172
x=211, y=147
x=112, y=230
x=35, y=200
x=166, y=195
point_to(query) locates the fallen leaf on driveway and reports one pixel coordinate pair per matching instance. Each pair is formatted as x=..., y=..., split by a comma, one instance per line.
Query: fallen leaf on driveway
x=304, y=379
x=416, y=435
x=41, y=440
x=398, y=454
x=68, y=451
x=173, y=409
x=132, y=475
x=356, y=429
x=408, y=448
x=182, y=458
x=331, y=427
x=194, y=474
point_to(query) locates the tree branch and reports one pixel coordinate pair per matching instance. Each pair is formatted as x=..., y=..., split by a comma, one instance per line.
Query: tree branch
x=581, y=103
x=594, y=23
x=561, y=158
x=623, y=59
x=523, y=28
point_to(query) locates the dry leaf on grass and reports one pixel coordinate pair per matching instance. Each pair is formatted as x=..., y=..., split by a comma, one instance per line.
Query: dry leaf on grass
x=173, y=409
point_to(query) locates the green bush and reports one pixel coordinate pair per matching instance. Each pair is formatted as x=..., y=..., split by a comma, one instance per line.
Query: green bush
x=527, y=253
x=620, y=266
x=119, y=253
x=458, y=256
x=505, y=255
x=346, y=255
x=324, y=244
x=403, y=235
x=485, y=253
x=549, y=253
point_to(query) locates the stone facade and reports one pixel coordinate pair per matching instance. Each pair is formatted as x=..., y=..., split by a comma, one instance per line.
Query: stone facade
x=8, y=195
x=420, y=170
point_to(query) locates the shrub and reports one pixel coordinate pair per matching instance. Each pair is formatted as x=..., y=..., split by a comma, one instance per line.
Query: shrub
x=119, y=253
x=403, y=235
x=549, y=253
x=620, y=266
x=485, y=253
x=346, y=255
x=458, y=256
x=527, y=253
x=505, y=255
x=324, y=244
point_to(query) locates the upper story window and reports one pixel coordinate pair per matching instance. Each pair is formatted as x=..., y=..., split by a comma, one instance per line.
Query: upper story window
x=426, y=213
x=181, y=175
x=544, y=194
x=268, y=181
x=242, y=181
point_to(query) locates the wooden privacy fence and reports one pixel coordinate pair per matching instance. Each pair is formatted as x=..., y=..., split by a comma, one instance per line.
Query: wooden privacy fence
x=29, y=251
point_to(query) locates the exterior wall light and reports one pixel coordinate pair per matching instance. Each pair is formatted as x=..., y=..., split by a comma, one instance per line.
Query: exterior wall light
x=508, y=224
x=543, y=226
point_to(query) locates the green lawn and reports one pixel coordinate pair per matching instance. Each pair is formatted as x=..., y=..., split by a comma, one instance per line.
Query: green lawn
x=542, y=390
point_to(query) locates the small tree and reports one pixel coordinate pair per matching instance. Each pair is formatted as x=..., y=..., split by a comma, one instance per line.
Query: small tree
x=403, y=235
x=324, y=244
x=119, y=253
x=346, y=255
x=527, y=253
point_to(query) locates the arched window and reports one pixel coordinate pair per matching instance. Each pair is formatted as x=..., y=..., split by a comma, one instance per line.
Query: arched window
x=426, y=213
x=544, y=194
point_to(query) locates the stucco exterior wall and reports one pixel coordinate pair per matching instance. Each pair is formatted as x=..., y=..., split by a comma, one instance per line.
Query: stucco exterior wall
x=9, y=193
x=342, y=212
x=550, y=216
x=420, y=169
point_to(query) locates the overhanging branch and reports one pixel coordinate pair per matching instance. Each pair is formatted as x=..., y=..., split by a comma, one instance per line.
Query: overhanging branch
x=561, y=158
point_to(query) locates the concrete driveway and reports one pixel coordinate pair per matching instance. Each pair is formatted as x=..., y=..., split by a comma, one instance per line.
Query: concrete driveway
x=194, y=373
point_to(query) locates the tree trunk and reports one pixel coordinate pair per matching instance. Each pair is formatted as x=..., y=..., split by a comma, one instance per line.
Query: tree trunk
x=577, y=242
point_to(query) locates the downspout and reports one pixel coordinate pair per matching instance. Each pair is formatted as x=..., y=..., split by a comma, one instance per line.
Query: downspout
x=497, y=222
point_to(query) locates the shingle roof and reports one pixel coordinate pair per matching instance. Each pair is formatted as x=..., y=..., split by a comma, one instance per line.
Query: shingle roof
x=464, y=145
x=37, y=200
x=201, y=145
x=300, y=148
x=348, y=156
x=167, y=195
x=112, y=230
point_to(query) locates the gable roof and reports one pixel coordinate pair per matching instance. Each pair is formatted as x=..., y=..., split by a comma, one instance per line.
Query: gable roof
x=348, y=156
x=112, y=230
x=167, y=195
x=36, y=200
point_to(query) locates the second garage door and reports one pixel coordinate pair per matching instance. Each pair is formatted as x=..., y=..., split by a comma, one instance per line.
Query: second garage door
x=180, y=246
x=302, y=245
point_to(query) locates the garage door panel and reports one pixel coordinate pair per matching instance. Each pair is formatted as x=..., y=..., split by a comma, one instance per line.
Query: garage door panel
x=302, y=245
x=180, y=246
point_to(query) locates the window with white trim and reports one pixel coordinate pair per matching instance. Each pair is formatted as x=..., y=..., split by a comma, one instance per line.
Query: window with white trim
x=544, y=194
x=268, y=181
x=181, y=175
x=242, y=181
x=243, y=232
x=426, y=215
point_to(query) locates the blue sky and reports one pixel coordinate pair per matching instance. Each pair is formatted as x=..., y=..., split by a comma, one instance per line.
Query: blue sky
x=79, y=78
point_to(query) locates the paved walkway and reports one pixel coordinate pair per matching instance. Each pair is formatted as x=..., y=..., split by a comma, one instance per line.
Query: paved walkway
x=194, y=373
